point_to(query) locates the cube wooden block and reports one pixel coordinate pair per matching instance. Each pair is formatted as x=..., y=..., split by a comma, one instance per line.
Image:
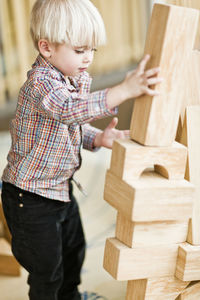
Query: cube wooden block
x=8, y=264
x=170, y=41
x=151, y=198
x=129, y=159
x=188, y=262
x=192, y=292
x=125, y=263
x=134, y=234
x=164, y=288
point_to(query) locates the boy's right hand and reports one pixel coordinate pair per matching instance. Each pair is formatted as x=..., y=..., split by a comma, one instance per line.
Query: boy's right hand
x=138, y=82
x=135, y=84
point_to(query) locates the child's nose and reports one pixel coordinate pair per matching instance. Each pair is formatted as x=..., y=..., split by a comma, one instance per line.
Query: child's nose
x=88, y=57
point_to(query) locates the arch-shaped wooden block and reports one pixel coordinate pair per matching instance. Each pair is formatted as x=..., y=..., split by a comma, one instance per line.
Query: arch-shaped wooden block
x=129, y=159
x=151, y=198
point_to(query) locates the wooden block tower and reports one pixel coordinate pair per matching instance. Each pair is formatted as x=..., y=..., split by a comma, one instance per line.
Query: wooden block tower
x=156, y=247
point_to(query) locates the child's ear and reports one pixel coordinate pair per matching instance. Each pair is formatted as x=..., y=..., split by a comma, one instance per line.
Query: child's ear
x=45, y=48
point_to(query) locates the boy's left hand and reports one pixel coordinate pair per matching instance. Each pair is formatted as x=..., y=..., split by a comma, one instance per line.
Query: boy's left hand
x=106, y=138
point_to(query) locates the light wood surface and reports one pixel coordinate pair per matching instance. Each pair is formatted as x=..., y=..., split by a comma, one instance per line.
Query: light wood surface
x=8, y=264
x=192, y=292
x=165, y=288
x=129, y=159
x=124, y=263
x=188, y=262
x=134, y=234
x=191, y=73
x=6, y=231
x=170, y=41
x=191, y=138
x=152, y=198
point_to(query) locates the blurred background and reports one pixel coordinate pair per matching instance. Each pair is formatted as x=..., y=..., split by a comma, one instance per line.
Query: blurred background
x=126, y=24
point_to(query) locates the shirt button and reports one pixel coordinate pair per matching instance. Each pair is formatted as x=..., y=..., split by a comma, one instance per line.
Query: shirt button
x=20, y=195
x=21, y=205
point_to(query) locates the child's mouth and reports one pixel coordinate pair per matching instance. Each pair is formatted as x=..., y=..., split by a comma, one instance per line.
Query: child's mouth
x=82, y=69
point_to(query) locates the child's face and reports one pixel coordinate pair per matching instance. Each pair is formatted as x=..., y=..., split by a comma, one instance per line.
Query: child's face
x=70, y=60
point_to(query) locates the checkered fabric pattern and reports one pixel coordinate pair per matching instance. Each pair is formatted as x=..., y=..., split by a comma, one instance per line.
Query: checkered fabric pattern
x=50, y=125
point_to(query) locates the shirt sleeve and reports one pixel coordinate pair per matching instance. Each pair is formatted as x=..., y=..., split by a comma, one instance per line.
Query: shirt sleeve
x=71, y=107
x=89, y=134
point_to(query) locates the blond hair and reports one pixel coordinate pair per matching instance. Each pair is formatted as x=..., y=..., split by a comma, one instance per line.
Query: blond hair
x=74, y=22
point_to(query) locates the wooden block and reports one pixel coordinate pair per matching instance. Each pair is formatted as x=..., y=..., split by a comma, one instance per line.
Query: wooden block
x=191, y=74
x=170, y=41
x=191, y=138
x=6, y=230
x=165, y=288
x=192, y=292
x=135, y=234
x=129, y=159
x=151, y=198
x=136, y=289
x=8, y=264
x=186, y=3
x=125, y=263
x=188, y=262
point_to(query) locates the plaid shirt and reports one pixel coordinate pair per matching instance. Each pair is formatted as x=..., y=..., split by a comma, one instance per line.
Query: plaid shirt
x=50, y=125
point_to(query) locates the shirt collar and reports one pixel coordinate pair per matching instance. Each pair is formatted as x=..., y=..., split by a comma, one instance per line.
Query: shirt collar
x=42, y=62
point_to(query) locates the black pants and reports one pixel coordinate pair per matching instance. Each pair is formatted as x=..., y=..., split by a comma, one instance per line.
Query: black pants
x=47, y=240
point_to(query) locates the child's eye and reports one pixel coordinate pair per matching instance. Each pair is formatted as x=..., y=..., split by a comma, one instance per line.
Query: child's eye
x=94, y=49
x=79, y=51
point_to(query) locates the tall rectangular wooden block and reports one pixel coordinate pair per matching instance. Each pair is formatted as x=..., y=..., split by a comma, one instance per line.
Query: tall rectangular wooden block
x=170, y=41
x=151, y=198
x=125, y=263
x=135, y=234
x=188, y=262
x=129, y=159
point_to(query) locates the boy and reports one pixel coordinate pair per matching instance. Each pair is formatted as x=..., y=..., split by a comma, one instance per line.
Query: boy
x=53, y=111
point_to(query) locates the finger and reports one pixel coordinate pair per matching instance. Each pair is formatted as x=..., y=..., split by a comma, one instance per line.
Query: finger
x=151, y=92
x=113, y=123
x=142, y=64
x=154, y=80
x=152, y=72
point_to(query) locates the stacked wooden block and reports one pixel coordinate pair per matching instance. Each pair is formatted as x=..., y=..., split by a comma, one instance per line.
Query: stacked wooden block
x=8, y=264
x=154, y=207
x=146, y=180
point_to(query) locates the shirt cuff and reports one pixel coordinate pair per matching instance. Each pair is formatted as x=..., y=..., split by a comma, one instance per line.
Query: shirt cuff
x=89, y=135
